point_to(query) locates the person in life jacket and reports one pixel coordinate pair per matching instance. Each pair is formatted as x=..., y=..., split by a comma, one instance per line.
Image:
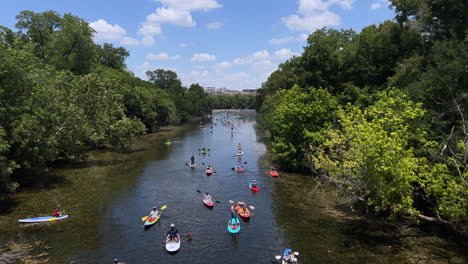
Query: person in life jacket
x=254, y=184
x=172, y=234
x=57, y=212
x=192, y=160
x=234, y=210
x=288, y=256
x=208, y=197
x=154, y=213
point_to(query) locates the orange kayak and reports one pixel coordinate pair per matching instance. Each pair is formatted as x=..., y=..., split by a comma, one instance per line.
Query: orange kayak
x=274, y=173
x=243, y=212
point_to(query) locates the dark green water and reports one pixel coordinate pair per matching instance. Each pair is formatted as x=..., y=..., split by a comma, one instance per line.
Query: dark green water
x=107, y=196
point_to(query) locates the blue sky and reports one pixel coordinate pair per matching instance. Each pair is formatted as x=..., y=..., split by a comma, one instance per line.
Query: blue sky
x=222, y=43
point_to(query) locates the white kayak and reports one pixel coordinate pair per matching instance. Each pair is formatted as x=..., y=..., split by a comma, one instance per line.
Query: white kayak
x=42, y=219
x=173, y=246
x=240, y=153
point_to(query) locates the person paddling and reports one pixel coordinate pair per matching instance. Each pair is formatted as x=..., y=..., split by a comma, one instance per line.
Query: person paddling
x=172, y=234
x=208, y=197
x=192, y=160
x=233, y=210
x=254, y=184
x=57, y=212
x=154, y=213
x=288, y=256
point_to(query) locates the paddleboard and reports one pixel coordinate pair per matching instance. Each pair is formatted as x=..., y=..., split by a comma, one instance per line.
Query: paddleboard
x=42, y=219
x=173, y=246
x=152, y=220
x=234, y=225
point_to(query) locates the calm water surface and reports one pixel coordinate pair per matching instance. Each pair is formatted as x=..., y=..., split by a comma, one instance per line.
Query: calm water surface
x=107, y=196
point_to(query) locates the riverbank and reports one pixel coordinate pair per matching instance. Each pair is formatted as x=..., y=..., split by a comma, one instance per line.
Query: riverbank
x=107, y=195
x=92, y=177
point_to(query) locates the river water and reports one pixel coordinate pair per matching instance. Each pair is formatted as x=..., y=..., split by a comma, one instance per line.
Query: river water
x=107, y=196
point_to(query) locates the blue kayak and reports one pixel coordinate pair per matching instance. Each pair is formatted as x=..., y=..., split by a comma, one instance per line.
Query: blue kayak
x=42, y=219
x=234, y=225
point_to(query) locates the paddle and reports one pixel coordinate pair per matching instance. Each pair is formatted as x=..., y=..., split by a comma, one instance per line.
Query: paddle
x=53, y=218
x=242, y=164
x=250, y=206
x=146, y=217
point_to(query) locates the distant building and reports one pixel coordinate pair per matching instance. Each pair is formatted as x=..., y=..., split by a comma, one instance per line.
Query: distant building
x=225, y=91
x=210, y=90
x=249, y=91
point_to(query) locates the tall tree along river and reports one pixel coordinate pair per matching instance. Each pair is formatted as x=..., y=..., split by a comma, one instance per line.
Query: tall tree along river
x=107, y=196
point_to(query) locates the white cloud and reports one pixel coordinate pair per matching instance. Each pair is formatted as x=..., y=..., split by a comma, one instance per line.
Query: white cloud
x=201, y=74
x=129, y=41
x=200, y=57
x=279, y=41
x=254, y=57
x=191, y=5
x=223, y=65
x=315, y=14
x=148, y=40
x=199, y=67
x=162, y=56
x=183, y=45
x=106, y=31
x=379, y=3
x=177, y=17
x=284, y=53
x=215, y=25
x=311, y=22
x=149, y=29
x=375, y=6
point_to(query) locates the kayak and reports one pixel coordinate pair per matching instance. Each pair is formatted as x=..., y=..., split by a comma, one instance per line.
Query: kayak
x=274, y=173
x=203, y=152
x=208, y=172
x=42, y=219
x=168, y=142
x=173, y=246
x=255, y=189
x=152, y=220
x=240, y=169
x=234, y=225
x=208, y=202
x=240, y=153
x=193, y=165
x=243, y=213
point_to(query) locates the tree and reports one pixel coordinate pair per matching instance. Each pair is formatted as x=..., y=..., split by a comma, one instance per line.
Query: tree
x=112, y=57
x=299, y=118
x=166, y=80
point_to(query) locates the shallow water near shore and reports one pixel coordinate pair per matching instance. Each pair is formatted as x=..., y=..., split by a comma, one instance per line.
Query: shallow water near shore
x=107, y=195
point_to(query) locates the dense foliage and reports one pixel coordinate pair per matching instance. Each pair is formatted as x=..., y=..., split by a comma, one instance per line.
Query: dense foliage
x=381, y=113
x=61, y=94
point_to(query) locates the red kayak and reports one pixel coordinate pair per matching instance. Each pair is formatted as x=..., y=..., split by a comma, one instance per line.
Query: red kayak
x=274, y=173
x=208, y=172
x=255, y=189
x=208, y=202
x=240, y=169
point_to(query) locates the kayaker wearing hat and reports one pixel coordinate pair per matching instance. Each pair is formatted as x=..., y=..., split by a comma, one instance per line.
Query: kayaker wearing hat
x=254, y=184
x=172, y=234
